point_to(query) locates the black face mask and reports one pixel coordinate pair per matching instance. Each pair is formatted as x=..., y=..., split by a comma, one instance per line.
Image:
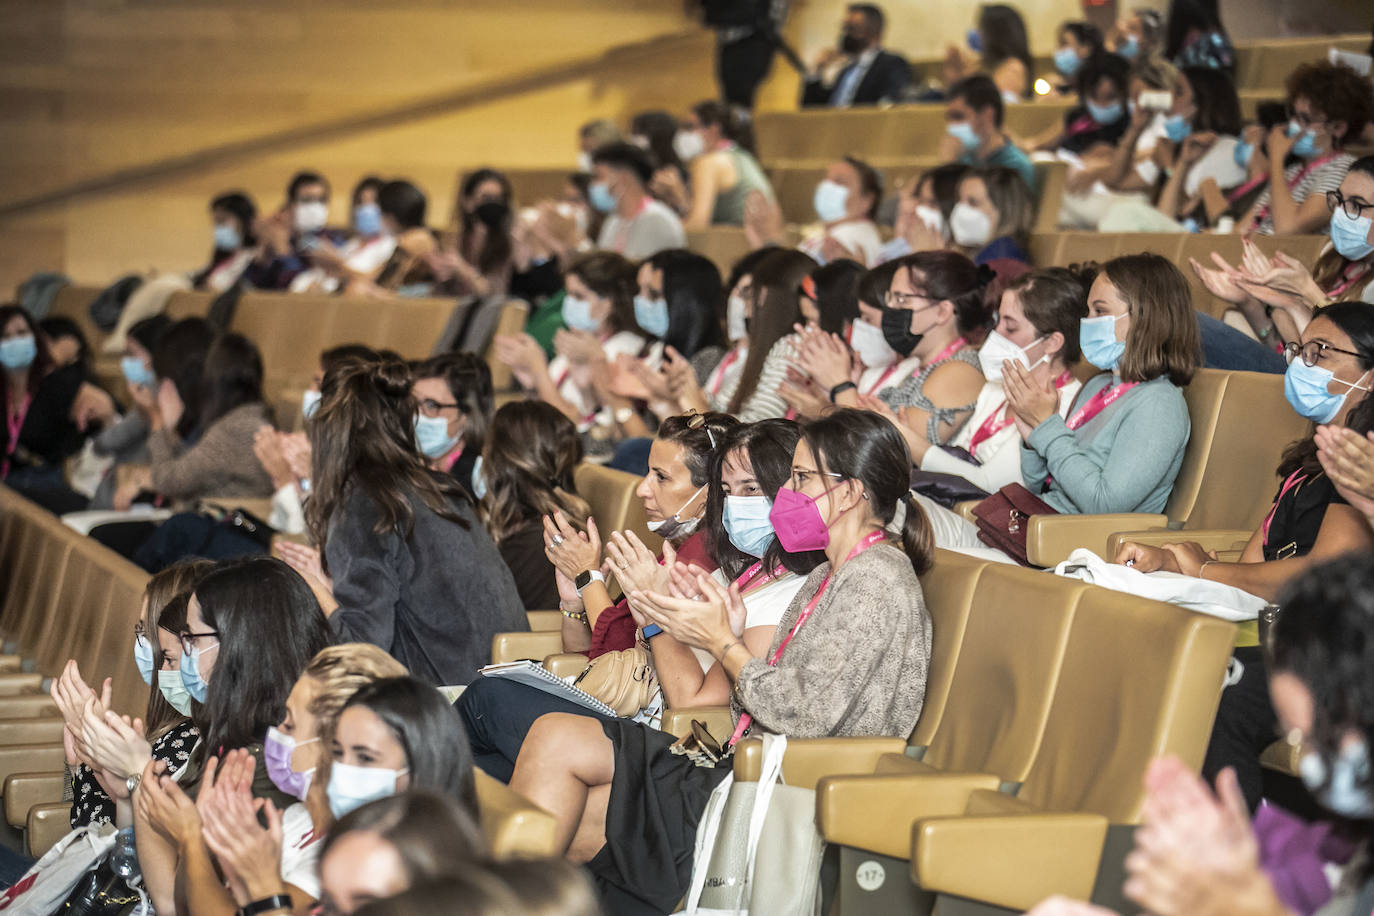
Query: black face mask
x=896, y=326
x=851, y=43
x=493, y=213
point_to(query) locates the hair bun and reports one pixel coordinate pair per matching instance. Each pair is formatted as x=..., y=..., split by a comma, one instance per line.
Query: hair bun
x=984, y=275
x=392, y=377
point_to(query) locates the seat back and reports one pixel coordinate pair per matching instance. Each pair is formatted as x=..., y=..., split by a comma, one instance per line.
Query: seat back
x=1140, y=679
x=1205, y=396
x=611, y=494
x=188, y=303
x=1008, y=664
x=1050, y=178
x=723, y=245
x=949, y=589
x=514, y=314
x=514, y=826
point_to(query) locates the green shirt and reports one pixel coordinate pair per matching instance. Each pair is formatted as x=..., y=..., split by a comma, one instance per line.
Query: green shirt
x=546, y=321
x=1009, y=155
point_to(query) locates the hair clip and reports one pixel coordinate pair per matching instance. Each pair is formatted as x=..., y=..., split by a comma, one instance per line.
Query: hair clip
x=696, y=420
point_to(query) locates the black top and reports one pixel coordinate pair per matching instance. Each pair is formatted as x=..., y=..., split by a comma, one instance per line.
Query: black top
x=462, y=470
x=523, y=551
x=1082, y=133
x=48, y=436
x=886, y=80
x=1298, y=516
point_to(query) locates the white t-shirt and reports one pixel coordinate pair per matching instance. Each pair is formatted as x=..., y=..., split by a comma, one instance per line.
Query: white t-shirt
x=763, y=607
x=300, y=849
x=724, y=379
x=366, y=256
x=882, y=378
x=859, y=236
x=653, y=229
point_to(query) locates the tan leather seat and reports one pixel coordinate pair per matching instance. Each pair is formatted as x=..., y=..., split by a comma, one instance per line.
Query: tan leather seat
x=512, y=647
x=188, y=303
x=47, y=824
x=514, y=315
x=514, y=826
x=30, y=730
x=723, y=245
x=30, y=758
x=1050, y=178
x=545, y=620
x=24, y=790
x=611, y=495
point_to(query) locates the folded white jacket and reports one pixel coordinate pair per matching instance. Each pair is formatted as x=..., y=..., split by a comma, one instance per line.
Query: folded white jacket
x=1201, y=595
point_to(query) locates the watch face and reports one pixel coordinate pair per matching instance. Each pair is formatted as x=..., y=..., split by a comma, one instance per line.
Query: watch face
x=583, y=580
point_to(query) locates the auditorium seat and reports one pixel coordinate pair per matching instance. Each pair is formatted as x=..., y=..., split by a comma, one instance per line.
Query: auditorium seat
x=515, y=827
x=614, y=505
x=544, y=620
x=24, y=790
x=514, y=314
x=47, y=824
x=1227, y=478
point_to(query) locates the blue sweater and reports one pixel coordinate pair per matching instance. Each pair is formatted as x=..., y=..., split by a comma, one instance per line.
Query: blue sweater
x=1124, y=459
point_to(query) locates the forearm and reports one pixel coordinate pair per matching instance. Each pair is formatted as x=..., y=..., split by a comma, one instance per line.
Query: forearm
x=680, y=676
x=157, y=858
x=595, y=601
x=205, y=892
x=1123, y=161
x=577, y=635
x=1168, y=198
x=1282, y=207
x=546, y=391
x=1263, y=579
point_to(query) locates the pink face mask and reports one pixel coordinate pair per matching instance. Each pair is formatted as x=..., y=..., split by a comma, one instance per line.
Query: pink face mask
x=797, y=520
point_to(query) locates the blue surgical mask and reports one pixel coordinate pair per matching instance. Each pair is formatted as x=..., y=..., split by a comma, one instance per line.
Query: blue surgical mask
x=174, y=692
x=1130, y=48
x=18, y=352
x=227, y=237
x=747, y=523
x=963, y=132
x=577, y=314
x=1351, y=236
x=367, y=219
x=1306, y=388
x=1067, y=61
x=479, y=479
x=352, y=786
x=195, y=685
x=143, y=657
x=601, y=198
x=1243, y=153
x=830, y=200
x=136, y=373
x=431, y=434
x=1177, y=128
x=975, y=41
x=1105, y=115
x=1343, y=786
x=310, y=402
x=1097, y=338
x=652, y=315
x=1305, y=146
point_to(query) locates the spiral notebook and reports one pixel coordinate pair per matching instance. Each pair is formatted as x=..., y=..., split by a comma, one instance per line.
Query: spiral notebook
x=533, y=674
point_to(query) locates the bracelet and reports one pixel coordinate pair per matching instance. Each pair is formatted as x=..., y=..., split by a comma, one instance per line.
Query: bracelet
x=840, y=389
x=572, y=615
x=1203, y=568
x=266, y=905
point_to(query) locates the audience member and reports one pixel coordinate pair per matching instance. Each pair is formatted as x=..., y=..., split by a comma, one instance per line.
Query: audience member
x=636, y=225
x=846, y=202
x=1078, y=42
x=1139, y=37
x=591, y=137
x=477, y=259
x=410, y=267
x=718, y=150
x=1309, y=524
x=453, y=392
x=410, y=568
x=654, y=132
x=852, y=467
x=1003, y=53
x=975, y=136
x=66, y=343
x=829, y=305
x=922, y=219
x=1330, y=105
x=1094, y=127
x=993, y=218
x=361, y=257
x=234, y=218
x=857, y=71
x=526, y=474
x=289, y=235
x=1195, y=37
x=517, y=887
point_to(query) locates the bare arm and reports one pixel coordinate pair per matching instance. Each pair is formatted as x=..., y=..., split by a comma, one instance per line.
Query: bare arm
x=683, y=682
x=1343, y=530
x=705, y=185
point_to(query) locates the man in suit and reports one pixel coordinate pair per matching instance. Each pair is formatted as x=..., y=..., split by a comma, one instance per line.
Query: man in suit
x=869, y=74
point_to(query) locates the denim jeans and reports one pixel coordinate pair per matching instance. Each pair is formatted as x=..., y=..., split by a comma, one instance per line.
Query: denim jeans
x=498, y=714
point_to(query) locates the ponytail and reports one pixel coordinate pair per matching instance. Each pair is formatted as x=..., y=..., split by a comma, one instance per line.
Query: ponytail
x=918, y=538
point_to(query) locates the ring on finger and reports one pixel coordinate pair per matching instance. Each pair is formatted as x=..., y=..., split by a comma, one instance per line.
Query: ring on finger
x=558, y=540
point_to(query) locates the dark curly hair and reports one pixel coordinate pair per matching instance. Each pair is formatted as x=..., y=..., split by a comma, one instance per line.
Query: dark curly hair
x=1338, y=92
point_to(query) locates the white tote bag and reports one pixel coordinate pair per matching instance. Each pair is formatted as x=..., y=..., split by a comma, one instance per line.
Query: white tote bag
x=51, y=879
x=757, y=851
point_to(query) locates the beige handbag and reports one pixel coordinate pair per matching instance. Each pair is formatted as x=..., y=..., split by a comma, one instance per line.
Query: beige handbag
x=623, y=680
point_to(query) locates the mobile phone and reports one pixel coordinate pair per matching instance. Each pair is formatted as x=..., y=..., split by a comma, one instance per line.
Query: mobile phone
x=1155, y=100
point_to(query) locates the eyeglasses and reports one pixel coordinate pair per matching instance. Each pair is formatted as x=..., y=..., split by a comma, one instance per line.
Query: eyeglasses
x=800, y=478
x=1312, y=351
x=896, y=300
x=188, y=639
x=430, y=407
x=1304, y=120
x=140, y=632
x=1352, y=206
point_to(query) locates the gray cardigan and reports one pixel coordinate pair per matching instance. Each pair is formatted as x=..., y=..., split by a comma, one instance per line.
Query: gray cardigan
x=433, y=600
x=858, y=666
x=1124, y=459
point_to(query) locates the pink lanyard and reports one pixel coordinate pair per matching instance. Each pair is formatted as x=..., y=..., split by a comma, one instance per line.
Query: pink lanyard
x=1297, y=179
x=1000, y=421
x=717, y=378
x=1294, y=479
x=1351, y=280
x=14, y=422
x=873, y=389
x=866, y=542
x=1098, y=403
x=454, y=456
x=746, y=579
x=947, y=352
x=1082, y=125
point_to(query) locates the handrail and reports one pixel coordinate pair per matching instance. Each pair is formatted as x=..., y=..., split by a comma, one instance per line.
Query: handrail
x=482, y=93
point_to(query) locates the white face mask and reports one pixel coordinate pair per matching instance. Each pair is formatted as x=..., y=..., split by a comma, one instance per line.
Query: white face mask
x=736, y=318
x=675, y=526
x=354, y=786
x=997, y=350
x=688, y=145
x=871, y=346
x=971, y=227
x=310, y=216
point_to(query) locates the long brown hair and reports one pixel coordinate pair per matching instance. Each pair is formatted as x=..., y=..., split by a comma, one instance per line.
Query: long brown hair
x=777, y=281
x=1164, y=337
x=363, y=435
x=172, y=585
x=528, y=463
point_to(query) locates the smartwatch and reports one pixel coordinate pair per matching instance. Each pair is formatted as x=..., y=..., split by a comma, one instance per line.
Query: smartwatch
x=587, y=578
x=652, y=630
x=266, y=905
x=840, y=389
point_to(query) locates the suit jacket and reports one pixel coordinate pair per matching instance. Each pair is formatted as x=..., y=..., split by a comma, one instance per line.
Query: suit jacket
x=885, y=80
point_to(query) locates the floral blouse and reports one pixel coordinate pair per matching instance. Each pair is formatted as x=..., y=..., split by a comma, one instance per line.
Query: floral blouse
x=90, y=804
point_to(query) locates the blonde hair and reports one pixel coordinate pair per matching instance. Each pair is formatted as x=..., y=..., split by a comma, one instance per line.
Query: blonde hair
x=341, y=671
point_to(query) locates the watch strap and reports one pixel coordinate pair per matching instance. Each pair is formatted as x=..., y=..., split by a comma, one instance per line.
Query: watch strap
x=266, y=905
x=840, y=389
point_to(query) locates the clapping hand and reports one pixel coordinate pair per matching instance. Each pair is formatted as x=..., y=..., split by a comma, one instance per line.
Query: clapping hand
x=230, y=827
x=305, y=560
x=710, y=622
x=71, y=694
x=572, y=552
x=1348, y=459
x=115, y=743
x=1031, y=402
x=824, y=357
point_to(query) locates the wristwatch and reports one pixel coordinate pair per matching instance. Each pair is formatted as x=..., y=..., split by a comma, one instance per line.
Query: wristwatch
x=132, y=782
x=587, y=578
x=266, y=905
x=840, y=389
